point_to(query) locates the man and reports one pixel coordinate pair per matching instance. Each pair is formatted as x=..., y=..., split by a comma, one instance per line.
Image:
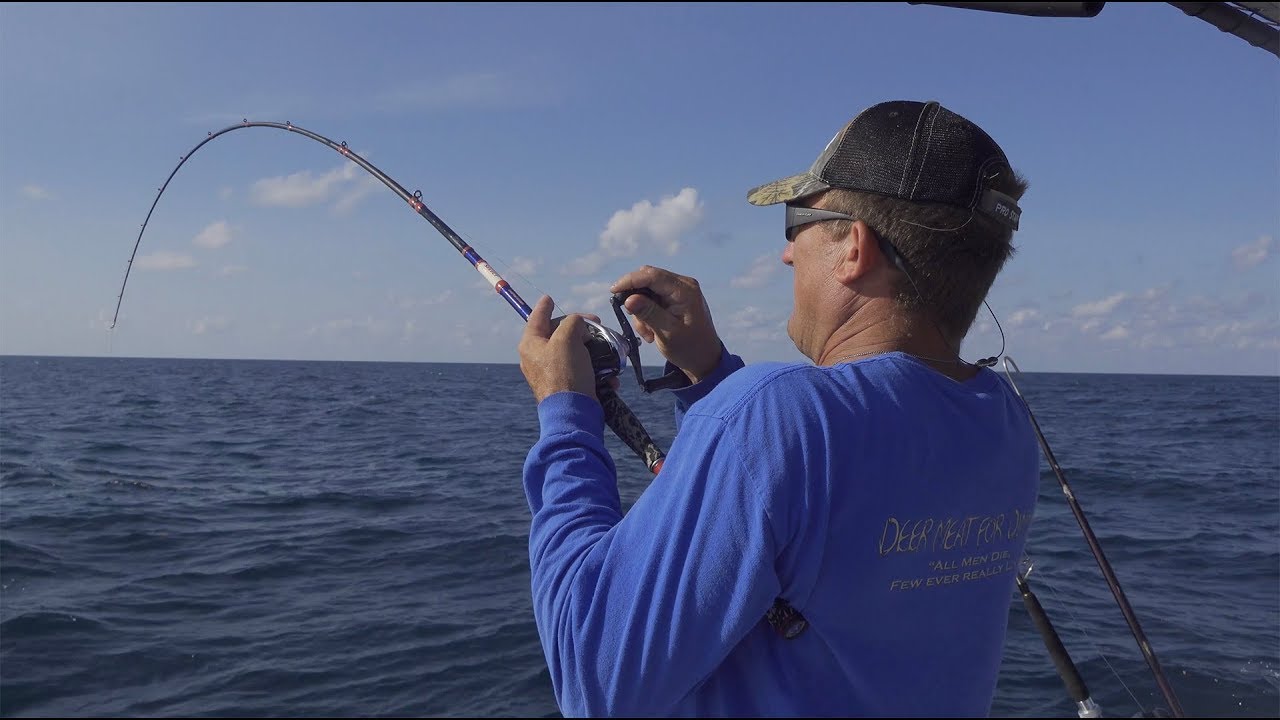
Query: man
x=883, y=492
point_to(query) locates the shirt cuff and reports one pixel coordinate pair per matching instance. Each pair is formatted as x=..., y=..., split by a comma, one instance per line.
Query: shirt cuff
x=690, y=394
x=567, y=411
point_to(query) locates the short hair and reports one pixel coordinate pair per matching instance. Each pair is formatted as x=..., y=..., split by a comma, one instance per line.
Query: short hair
x=953, y=254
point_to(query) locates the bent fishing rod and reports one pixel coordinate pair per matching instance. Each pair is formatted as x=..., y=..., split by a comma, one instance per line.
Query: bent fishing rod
x=1067, y=670
x=609, y=349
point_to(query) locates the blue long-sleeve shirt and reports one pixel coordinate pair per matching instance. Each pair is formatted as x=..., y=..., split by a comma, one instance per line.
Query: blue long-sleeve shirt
x=884, y=501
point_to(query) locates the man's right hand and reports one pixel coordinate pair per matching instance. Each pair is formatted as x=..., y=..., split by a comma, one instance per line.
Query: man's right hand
x=679, y=321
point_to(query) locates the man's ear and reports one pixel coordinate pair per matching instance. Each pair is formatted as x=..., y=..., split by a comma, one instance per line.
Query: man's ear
x=861, y=254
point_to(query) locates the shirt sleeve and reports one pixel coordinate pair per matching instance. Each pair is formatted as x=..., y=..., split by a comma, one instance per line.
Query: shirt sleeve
x=689, y=394
x=635, y=612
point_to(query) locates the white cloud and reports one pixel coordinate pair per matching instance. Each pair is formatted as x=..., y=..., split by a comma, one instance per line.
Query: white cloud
x=1100, y=307
x=662, y=223
x=592, y=297
x=1023, y=316
x=1250, y=343
x=214, y=236
x=762, y=268
x=591, y=289
x=440, y=299
x=303, y=188
x=1119, y=332
x=209, y=325
x=1251, y=254
x=36, y=192
x=1254, y=332
x=1158, y=319
x=346, y=327
x=658, y=226
x=1091, y=324
x=229, y=270
x=592, y=262
x=525, y=266
x=362, y=187
x=1156, y=341
x=407, y=302
x=164, y=261
x=225, y=193
x=462, y=334
x=753, y=324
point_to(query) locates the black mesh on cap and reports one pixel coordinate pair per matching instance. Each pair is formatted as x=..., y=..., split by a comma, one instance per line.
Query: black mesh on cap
x=910, y=150
x=916, y=151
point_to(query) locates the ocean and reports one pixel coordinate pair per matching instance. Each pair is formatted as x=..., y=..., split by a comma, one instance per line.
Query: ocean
x=271, y=538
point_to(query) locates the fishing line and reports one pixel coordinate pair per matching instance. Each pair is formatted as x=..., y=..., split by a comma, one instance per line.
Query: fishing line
x=1078, y=625
x=510, y=269
x=607, y=348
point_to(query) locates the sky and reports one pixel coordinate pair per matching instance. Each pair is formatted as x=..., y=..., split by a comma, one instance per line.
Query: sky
x=570, y=144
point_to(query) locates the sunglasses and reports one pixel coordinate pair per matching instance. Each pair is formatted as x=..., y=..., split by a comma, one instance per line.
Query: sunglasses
x=798, y=216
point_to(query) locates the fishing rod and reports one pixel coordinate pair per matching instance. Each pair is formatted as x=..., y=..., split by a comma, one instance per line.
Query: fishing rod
x=609, y=349
x=1072, y=679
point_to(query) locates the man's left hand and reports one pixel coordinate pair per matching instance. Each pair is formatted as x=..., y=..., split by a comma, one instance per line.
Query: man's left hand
x=554, y=357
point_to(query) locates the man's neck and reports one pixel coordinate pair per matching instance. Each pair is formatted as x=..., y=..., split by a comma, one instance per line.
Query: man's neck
x=884, y=333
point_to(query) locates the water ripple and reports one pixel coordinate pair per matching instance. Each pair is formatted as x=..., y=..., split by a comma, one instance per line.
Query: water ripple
x=236, y=538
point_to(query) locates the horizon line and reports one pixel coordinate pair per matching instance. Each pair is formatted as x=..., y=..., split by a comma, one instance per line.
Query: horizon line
x=475, y=362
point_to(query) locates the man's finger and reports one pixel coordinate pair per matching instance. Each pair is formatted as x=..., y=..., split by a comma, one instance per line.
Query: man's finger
x=664, y=283
x=643, y=330
x=572, y=329
x=651, y=313
x=539, y=324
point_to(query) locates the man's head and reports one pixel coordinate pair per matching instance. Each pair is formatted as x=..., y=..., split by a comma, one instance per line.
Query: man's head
x=932, y=185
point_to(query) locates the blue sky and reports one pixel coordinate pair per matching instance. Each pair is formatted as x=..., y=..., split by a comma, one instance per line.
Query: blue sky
x=573, y=143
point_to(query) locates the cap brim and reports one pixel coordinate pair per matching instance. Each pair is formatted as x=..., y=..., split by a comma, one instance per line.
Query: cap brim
x=786, y=189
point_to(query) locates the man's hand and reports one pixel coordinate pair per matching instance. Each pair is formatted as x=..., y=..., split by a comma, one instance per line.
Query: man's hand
x=554, y=357
x=679, y=322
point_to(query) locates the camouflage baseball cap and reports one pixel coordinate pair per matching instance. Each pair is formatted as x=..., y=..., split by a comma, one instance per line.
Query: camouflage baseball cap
x=908, y=150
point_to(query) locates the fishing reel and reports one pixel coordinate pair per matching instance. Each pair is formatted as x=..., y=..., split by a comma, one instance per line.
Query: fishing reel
x=610, y=350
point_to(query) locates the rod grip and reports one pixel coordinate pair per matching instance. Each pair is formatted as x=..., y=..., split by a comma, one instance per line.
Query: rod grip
x=1067, y=670
x=627, y=427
